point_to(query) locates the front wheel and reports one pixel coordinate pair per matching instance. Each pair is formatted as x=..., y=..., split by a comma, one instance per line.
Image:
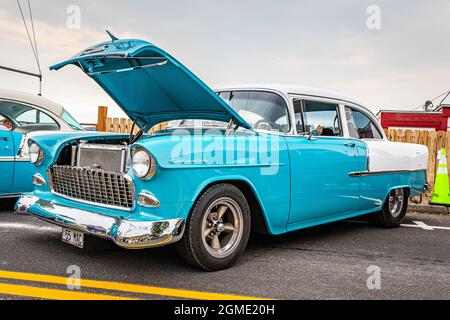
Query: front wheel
x=394, y=210
x=217, y=230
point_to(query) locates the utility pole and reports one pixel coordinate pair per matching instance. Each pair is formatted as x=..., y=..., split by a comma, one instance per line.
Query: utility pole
x=31, y=74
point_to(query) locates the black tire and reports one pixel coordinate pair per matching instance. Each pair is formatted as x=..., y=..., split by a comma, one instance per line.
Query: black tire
x=386, y=218
x=193, y=247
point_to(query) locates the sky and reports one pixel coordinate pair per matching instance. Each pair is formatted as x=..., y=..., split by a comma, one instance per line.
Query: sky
x=388, y=54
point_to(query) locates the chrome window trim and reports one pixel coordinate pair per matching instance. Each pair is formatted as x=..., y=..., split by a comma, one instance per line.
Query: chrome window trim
x=288, y=98
x=340, y=101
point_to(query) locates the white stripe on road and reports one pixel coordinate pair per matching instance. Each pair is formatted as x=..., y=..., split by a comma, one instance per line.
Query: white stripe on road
x=423, y=226
x=418, y=224
x=24, y=226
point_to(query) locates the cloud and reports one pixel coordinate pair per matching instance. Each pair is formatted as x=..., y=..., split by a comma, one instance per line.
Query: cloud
x=315, y=43
x=54, y=38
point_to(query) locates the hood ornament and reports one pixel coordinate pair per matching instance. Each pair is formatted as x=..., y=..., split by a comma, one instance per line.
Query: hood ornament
x=113, y=38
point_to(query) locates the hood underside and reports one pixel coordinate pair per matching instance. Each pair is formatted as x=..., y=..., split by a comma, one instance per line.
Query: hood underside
x=150, y=85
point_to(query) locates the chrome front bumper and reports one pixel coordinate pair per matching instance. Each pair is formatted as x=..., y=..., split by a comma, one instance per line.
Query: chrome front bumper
x=125, y=233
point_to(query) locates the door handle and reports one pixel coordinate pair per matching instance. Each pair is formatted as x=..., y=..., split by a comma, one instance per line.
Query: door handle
x=350, y=144
x=6, y=138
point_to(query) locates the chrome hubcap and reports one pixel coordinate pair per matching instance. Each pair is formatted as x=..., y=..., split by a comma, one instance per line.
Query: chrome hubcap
x=222, y=227
x=396, y=198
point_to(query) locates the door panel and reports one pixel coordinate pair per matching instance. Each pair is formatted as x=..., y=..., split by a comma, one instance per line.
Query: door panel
x=320, y=180
x=6, y=161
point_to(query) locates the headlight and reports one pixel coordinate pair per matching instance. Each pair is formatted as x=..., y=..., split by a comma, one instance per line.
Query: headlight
x=143, y=164
x=36, y=154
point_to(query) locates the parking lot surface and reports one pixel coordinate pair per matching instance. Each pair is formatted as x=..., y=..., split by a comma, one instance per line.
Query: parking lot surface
x=335, y=261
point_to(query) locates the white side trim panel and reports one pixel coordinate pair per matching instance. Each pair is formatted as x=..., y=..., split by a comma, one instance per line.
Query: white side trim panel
x=395, y=156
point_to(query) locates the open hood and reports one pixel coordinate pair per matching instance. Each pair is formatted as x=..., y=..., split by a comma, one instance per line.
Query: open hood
x=149, y=84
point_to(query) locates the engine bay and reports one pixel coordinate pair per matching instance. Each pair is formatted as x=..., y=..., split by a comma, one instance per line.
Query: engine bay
x=106, y=155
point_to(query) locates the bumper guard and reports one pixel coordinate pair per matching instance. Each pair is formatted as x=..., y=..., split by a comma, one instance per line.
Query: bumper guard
x=125, y=233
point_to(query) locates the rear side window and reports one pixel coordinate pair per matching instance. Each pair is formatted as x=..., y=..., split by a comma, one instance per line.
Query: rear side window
x=361, y=126
x=28, y=117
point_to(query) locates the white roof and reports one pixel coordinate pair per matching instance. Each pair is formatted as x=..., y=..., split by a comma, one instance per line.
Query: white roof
x=293, y=89
x=32, y=99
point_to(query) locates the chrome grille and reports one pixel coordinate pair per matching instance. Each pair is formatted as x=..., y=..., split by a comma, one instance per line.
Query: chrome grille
x=93, y=185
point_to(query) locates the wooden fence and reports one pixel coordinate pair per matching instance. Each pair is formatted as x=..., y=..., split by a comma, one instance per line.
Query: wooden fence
x=434, y=140
x=119, y=125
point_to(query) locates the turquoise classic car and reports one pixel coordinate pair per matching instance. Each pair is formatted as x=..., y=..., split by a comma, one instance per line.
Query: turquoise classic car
x=263, y=158
x=21, y=116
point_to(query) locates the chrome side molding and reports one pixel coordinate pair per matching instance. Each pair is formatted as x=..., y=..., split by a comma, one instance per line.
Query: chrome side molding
x=372, y=173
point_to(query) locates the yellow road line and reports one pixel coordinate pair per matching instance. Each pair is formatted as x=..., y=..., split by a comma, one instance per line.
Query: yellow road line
x=124, y=287
x=45, y=293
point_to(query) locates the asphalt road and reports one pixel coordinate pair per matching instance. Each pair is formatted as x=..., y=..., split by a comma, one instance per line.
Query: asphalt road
x=326, y=262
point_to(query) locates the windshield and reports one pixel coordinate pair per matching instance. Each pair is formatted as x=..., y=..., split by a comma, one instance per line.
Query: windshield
x=71, y=121
x=263, y=110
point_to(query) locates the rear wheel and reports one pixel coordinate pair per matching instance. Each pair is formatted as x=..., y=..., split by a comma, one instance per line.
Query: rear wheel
x=217, y=230
x=394, y=210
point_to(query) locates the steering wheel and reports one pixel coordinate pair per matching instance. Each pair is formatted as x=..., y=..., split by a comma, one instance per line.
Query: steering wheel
x=267, y=123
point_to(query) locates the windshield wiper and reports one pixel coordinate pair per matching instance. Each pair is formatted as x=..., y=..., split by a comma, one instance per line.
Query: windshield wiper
x=135, y=137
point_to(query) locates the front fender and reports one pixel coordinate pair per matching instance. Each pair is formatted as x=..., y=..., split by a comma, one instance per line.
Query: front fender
x=187, y=166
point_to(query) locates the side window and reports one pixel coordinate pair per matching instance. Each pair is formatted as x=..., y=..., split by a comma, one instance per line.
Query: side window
x=361, y=126
x=45, y=119
x=322, y=117
x=28, y=117
x=33, y=116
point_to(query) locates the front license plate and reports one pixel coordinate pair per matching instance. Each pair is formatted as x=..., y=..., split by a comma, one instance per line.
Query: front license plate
x=73, y=237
